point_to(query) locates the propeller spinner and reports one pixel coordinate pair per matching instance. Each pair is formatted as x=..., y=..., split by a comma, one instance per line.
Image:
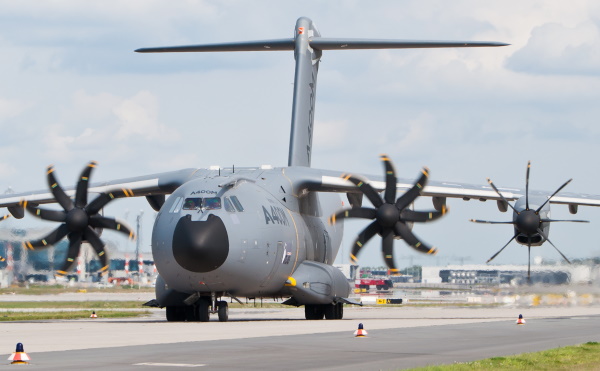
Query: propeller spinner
x=390, y=217
x=78, y=218
x=528, y=222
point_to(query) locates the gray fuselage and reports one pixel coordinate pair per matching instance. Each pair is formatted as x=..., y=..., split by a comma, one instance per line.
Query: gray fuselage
x=242, y=233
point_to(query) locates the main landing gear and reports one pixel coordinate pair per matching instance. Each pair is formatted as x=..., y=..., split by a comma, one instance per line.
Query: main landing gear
x=198, y=312
x=329, y=311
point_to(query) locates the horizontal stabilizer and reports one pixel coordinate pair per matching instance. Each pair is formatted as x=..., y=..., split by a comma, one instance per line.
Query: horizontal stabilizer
x=318, y=43
x=243, y=46
x=341, y=44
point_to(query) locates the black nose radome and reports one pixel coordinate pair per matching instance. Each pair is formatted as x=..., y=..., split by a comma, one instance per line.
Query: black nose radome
x=200, y=246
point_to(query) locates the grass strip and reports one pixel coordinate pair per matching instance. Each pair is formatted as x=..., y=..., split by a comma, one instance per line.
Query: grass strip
x=71, y=304
x=577, y=357
x=36, y=316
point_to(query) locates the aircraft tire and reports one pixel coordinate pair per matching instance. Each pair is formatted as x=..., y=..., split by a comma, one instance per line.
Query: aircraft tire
x=314, y=311
x=202, y=310
x=330, y=311
x=191, y=313
x=223, y=311
x=334, y=311
x=175, y=313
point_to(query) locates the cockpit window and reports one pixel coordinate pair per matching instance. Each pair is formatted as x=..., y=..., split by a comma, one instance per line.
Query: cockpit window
x=237, y=204
x=192, y=204
x=197, y=203
x=228, y=205
x=212, y=203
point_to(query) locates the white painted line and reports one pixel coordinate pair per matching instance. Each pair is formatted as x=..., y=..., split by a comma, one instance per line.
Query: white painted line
x=168, y=364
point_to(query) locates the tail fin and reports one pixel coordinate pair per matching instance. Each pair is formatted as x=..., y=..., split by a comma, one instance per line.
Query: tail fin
x=308, y=45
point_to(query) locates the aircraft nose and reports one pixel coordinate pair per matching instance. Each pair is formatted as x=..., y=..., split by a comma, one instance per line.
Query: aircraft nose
x=200, y=246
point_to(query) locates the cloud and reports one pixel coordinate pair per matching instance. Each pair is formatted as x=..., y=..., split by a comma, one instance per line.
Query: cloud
x=138, y=117
x=11, y=108
x=555, y=49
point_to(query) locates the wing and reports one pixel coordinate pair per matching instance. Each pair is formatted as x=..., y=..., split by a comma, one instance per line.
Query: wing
x=147, y=185
x=333, y=181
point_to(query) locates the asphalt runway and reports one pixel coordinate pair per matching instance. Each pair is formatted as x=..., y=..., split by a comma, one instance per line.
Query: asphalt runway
x=280, y=339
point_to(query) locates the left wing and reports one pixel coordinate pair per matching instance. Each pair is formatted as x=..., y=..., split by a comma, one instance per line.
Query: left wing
x=335, y=181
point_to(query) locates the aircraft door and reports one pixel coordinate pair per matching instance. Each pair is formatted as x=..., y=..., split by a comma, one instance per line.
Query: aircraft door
x=276, y=261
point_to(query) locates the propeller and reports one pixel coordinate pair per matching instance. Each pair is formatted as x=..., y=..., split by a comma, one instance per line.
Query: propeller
x=78, y=218
x=1, y=219
x=391, y=217
x=528, y=222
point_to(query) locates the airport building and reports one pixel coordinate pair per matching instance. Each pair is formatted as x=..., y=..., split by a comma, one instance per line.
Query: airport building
x=510, y=274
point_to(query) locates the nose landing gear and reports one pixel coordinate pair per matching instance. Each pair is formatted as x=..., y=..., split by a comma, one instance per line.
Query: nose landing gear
x=199, y=311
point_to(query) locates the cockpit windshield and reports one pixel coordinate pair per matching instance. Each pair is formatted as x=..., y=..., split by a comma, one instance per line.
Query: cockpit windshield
x=212, y=203
x=197, y=203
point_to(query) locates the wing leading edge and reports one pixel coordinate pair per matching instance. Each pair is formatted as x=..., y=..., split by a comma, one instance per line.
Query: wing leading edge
x=331, y=181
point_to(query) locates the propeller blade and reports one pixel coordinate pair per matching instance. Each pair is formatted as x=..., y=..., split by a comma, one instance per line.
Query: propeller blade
x=363, y=237
x=387, y=248
x=74, y=248
x=357, y=212
x=558, y=220
x=60, y=195
x=529, y=263
x=489, y=222
x=45, y=214
x=499, y=251
x=527, y=186
x=408, y=215
x=104, y=198
x=410, y=195
x=82, y=185
x=541, y=232
x=403, y=231
x=98, y=221
x=554, y=194
x=390, y=180
x=501, y=196
x=5, y=217
x=52, y=238
x=92, y=237
x=366, y=189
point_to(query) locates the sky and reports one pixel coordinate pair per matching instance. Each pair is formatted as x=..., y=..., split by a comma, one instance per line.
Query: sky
x=72, y=90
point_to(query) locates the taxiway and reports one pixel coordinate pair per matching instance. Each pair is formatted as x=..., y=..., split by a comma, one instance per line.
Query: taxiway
x=278, y=339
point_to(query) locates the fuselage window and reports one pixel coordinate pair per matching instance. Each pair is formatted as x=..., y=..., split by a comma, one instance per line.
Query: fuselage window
x=237, y=204
x=228, y=205
x=212, y=203
x=192, y=204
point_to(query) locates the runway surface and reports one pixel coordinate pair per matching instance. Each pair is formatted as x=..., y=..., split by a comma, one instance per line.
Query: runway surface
x=280, y=339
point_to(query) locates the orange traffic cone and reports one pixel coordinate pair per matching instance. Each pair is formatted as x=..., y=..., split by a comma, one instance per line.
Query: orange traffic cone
x=520, y=320
x=361, y=332
x=19, y=356
x=94, y=314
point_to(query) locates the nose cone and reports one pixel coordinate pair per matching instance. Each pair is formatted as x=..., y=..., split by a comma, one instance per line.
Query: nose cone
x=200, y=246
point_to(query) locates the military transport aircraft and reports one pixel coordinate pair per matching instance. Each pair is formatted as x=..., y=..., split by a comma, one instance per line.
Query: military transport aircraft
x=259, y=232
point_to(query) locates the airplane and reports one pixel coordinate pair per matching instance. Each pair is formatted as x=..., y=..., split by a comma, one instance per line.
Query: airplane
x=531, y=220
x=268, y=232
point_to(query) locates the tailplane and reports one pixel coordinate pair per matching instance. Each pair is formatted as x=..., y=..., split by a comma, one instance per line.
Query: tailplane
x=308, y=45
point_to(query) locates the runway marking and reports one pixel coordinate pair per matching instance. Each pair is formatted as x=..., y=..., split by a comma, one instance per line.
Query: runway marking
x=168, y=364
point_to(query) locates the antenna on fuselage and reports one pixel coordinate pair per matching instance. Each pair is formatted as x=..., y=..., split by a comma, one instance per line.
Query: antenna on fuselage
x=308, y=46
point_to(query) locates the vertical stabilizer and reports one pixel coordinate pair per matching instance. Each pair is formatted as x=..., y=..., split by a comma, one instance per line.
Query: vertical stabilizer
x=308, y=45
x=305, y=90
